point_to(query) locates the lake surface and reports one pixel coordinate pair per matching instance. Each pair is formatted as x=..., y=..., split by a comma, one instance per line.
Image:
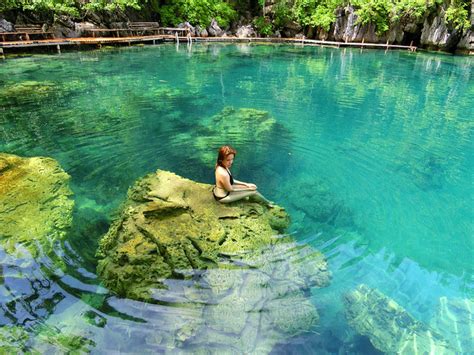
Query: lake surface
x=373, y=159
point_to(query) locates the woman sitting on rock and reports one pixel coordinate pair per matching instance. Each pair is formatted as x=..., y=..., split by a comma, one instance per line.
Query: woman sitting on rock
x=227, y=188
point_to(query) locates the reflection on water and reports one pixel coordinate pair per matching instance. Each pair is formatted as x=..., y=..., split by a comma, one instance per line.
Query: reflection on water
x=370, y=152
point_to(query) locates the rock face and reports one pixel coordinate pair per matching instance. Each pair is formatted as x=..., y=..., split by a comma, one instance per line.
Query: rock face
x=245, y=32
x=214, y=30
x=5, y=26
x=247, y=282
x=389, y=327
x=35, y=204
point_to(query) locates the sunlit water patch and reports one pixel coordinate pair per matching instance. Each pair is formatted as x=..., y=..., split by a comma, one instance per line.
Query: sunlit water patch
x=370, y=152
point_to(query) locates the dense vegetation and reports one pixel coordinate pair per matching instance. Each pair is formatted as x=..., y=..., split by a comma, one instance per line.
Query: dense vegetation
x=267, y=19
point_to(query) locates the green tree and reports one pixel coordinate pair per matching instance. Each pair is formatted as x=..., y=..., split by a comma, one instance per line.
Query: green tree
x=457, y=15
x=197, y=12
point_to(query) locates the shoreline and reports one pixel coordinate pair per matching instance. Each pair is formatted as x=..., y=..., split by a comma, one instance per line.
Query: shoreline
x=12, y=48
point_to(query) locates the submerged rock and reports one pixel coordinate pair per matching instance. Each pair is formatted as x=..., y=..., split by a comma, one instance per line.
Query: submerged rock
x=248, y=282
x=35, y=204
x=389, y=327
x=41, y=339
x=252, y=130
x=455, y=321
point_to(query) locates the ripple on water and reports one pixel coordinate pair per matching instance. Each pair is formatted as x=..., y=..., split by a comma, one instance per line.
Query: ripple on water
x=384, y=138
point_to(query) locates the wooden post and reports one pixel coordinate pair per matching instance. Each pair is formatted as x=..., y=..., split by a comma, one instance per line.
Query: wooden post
x=387, y=44
x=58, y=48
x=2, y=55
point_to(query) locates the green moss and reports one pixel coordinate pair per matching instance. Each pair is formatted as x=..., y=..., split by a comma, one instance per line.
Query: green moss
x=35, y=203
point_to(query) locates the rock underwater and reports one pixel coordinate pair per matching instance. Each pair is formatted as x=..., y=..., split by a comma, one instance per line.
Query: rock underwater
x=250, y=282
x=35, y=204
x=393, y=330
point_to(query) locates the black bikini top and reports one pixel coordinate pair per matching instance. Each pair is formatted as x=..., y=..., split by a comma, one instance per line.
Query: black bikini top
x=231, y=178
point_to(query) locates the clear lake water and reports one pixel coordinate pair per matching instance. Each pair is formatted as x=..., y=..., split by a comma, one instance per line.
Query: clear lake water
x=373, y=159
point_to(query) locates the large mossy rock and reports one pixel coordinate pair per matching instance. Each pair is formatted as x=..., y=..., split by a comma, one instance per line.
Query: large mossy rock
x=247, y=283
x=35, y=203
x=389, y=327
x=170, y=225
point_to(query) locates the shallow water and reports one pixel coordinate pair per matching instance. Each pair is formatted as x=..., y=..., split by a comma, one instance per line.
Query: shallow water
x=373, y=159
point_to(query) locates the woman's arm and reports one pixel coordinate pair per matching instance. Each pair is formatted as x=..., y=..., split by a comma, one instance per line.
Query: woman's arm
x=224, y=180
x=246, y=184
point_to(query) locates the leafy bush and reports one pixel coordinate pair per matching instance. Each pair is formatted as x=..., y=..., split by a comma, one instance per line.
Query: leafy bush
x=316, y=13
x=55, y=6
x=281, y=14
x=112, y=5
x=263, y=25
x=374, y=12
x=457, y=15
x=197, y=12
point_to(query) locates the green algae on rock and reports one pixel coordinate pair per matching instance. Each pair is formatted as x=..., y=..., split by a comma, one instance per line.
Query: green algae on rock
x=249, y=125
x=35, y=204
x=170, y=224
x=40, y=340
x=389, y=327
x=248, y=282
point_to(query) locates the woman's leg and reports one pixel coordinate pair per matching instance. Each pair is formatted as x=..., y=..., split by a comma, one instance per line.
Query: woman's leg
x=259, y=197
x=238, y=195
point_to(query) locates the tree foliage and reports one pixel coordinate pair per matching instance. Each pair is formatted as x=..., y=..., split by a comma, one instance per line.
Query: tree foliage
x=197, y=12
x=383, y=14
x=457, y=14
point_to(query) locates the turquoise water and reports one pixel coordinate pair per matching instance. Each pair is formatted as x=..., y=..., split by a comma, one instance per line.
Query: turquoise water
x=373, y=158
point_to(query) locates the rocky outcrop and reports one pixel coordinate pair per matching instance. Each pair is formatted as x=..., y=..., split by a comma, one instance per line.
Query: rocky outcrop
x=246, y=280
x=5, y=26
x=245, y=32
x=35, y=203
x=214, y=30
x=389, y=327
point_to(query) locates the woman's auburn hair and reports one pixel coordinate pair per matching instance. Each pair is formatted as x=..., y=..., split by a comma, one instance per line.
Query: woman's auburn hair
x=223, y=153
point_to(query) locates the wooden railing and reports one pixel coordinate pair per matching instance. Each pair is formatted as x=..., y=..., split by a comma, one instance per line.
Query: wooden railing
x=25, y=32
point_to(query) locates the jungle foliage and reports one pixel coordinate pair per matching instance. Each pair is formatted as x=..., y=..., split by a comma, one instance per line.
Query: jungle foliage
x=308, y=13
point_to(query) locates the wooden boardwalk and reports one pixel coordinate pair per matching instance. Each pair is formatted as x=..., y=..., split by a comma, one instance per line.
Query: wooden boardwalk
x=98, y=42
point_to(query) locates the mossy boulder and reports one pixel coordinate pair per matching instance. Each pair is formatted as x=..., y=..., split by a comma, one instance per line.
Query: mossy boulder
x=389, y=327
x=170, y=224
x=247, y=280
x=35, y=203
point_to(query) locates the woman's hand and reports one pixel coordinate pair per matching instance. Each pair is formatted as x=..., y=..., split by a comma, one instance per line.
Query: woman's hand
x=251, y=186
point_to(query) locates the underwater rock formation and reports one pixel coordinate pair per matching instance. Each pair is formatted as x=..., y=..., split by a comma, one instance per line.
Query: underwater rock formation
x=312, y=199
x=389, y=327
x=35, y=204
x=251, y=131
x=41, y=339
x=248, y=282
x=455, y=321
